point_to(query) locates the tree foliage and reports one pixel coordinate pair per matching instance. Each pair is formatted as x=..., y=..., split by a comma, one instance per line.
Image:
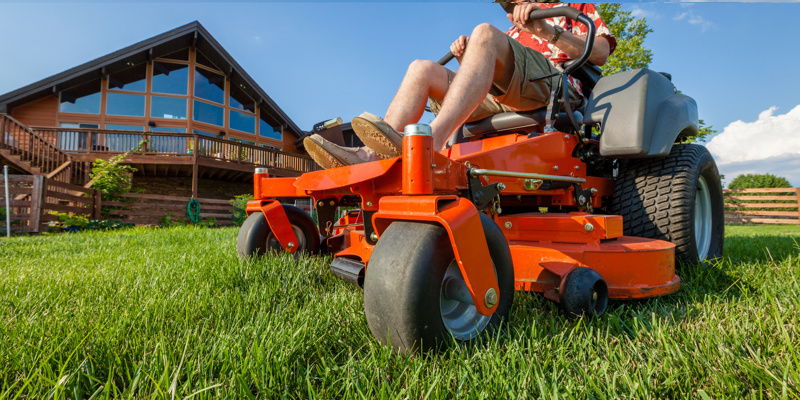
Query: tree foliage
x=112, y=178
x=630, y=33
x=751, y=181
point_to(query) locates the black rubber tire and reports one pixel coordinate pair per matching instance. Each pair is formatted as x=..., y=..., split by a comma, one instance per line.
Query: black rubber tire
x=656, y=199
x=578, y=293
x=403, y=282
x=252, y=239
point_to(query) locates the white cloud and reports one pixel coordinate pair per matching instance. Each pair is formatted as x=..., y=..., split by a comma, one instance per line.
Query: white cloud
x=693, y=19
x=637, y=12
x=771, y=144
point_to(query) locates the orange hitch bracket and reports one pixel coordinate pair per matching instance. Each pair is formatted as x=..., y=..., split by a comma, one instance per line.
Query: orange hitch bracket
x=277, y=220
x=461, y=220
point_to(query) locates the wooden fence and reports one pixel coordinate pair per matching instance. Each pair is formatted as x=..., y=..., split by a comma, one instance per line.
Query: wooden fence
x=763, y=206
x=151, y=209
x=32, y=198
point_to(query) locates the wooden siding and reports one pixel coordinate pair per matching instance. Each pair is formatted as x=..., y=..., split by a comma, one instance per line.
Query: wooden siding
x=41, y=112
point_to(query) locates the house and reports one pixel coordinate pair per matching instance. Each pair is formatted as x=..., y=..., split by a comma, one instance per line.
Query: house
x=192, y=120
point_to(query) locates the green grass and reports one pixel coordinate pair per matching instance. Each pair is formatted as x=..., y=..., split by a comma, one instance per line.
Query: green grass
x=173, y=313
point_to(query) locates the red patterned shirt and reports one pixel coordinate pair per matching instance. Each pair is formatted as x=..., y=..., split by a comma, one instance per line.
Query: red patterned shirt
x=552, y=52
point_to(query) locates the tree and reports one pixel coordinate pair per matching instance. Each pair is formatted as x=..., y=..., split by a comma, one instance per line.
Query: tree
x=631, y=53
x=630, y=33
x=751, y=181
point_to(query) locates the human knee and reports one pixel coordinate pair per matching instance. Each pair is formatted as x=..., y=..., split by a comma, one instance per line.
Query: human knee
x=486, y=33
x=422, y=68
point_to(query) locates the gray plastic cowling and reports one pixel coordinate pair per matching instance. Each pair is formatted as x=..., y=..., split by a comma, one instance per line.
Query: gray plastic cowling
x=640, y=114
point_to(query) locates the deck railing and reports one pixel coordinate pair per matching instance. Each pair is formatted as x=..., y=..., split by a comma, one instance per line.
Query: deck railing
x=100, y=141
x=32, y=149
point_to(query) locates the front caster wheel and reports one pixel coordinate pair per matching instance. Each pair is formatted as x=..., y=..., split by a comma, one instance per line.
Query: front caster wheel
x=256, y=238
x=584, y=292
x=415, y=296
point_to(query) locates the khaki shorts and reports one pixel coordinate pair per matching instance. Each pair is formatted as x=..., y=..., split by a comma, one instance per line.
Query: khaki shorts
x=521, y=94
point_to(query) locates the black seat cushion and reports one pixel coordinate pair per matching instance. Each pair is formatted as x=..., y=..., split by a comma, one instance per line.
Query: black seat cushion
x=527, y=121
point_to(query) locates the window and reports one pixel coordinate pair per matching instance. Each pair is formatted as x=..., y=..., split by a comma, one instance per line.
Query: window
x=167, y=107
x=168, y=144
x=76, y=140
x=267, y=130
x=133, y=79
x=208, y=113
x=242, y=141
x=118, y=127
x=242, y=122
x=204, y=133
x=170, y=78
x=129, y=105
x=82, y=99
x=122, y=142
x=240, y=100
x=205, y=61
x=209, y=85
x=167, y=129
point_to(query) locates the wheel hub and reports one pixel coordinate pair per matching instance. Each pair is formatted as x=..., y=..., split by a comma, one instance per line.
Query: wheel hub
x=702, y=219
x=274, y=245
x=458, y=312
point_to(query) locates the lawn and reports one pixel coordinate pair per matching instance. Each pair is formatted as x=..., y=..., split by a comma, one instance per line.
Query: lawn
x=173, y=313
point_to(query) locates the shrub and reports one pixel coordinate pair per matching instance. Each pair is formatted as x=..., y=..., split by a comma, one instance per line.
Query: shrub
x=72, y=221
x=239, y=204
x=169, y=220
x=112, y=178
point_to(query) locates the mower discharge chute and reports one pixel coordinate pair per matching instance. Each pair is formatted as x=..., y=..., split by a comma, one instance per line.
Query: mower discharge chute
x=439, y=240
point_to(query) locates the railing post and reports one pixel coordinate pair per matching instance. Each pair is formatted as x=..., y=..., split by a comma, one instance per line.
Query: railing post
x=37, y=203
x=798, y=203
x=145, y=142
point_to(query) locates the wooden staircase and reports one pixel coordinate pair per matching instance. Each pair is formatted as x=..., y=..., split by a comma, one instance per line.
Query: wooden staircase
x=25, y=151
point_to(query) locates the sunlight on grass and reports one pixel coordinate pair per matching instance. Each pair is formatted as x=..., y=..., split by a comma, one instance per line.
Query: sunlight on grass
x=173, y=313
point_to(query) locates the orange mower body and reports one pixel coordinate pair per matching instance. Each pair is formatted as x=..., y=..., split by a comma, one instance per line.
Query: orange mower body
x=434, y=188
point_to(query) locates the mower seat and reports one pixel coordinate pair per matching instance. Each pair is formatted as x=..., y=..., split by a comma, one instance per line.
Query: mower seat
x=527, y=121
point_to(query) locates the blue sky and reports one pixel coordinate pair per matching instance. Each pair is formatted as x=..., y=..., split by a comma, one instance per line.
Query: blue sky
x=320, y=60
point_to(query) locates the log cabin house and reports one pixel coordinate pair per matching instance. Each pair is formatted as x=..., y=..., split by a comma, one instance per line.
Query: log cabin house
x=193, y=121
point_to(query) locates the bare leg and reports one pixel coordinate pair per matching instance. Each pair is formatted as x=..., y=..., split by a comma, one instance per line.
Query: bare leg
x=423, y=79
x=488, y=58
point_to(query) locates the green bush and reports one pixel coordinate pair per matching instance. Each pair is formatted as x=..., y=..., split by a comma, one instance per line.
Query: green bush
x=70, y=220
x=239, y=204
x=757, y=181
x=112, y=178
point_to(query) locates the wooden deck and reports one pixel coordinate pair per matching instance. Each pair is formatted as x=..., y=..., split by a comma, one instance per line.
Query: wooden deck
x=174, y=154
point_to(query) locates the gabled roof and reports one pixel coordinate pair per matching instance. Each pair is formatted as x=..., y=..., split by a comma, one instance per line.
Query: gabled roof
x=191, y=34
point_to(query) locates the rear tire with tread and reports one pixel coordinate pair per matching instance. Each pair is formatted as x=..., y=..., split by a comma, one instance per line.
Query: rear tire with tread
x=677, y=198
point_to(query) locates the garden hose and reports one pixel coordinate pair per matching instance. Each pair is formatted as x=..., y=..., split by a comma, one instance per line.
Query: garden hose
x=193, y=211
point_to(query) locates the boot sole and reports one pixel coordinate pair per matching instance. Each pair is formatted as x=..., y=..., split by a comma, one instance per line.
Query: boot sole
x=325, y=159
x=374, y=138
